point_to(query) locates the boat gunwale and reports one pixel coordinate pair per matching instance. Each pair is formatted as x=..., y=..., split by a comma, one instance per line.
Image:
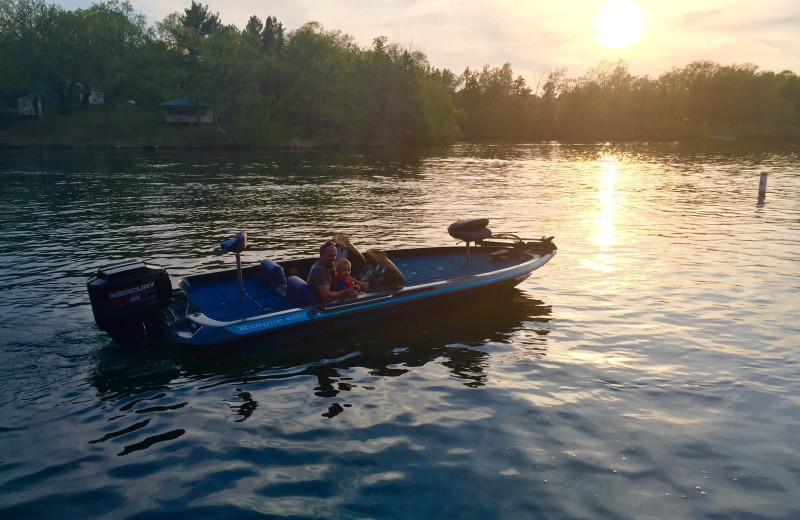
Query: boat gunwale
x=365, y=300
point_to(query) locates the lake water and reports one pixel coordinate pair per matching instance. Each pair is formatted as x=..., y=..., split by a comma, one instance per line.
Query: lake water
x=651, y=370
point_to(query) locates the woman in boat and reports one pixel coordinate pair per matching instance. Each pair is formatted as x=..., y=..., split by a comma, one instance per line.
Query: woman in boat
x=319, y=278
x=342, y=279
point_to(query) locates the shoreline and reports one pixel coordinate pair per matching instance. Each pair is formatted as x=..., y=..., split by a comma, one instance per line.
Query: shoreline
x=320, y=145
x=142, y=130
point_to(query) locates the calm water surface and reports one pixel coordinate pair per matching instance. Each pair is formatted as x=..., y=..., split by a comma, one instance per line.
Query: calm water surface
x=651, y=370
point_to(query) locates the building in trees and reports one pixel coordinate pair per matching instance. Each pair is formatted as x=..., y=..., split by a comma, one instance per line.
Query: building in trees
x=188, y=110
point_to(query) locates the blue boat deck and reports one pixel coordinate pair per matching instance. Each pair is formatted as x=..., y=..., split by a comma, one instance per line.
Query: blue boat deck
x=421, y=270
x=220, y=300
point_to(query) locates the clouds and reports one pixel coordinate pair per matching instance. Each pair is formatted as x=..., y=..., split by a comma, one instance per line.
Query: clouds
x=729, y=32
x=535, y=36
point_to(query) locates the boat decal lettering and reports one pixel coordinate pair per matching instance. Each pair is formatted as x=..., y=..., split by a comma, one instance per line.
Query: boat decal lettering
x=132, y=290
x=267, y=323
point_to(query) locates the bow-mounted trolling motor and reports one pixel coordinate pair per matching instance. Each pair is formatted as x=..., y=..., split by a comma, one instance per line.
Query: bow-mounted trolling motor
x=236, y=245
x=472, y=230
x=504, y=246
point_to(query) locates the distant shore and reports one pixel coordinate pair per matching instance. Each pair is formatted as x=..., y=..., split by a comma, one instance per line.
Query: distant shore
x=133, y=128
x=137, y=128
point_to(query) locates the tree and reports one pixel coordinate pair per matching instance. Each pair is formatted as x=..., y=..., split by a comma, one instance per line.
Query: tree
x=198, y=17
x=498, y=105
x=254, y=26
x=442, y=118
x=272, y=38
x=182, y=46
x=28, y=41
x=69, y=57
x=787, y=84
x=389, y=109
x=315, y=60
x=227, y=77
x=116, y=37
x=320, y=84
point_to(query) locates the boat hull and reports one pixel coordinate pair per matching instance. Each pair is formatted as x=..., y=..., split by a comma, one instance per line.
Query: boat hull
x=436, y=278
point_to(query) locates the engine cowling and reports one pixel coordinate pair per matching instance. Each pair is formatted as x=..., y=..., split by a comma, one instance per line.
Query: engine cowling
x=128, y=300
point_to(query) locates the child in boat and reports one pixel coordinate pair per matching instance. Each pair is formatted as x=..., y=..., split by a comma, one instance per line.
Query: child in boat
x=342, y=280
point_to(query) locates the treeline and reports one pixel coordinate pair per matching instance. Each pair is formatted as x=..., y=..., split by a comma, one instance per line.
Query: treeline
x=266, y=84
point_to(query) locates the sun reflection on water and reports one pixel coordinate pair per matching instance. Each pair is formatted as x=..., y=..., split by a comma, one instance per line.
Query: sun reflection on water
x=603, y=212
x=605, y=234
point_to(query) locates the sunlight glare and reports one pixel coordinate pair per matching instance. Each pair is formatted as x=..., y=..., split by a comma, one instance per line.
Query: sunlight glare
x=605, y=234
x=619, y=24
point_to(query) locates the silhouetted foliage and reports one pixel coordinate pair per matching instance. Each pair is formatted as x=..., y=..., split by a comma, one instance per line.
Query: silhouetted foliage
x=200, y=18
x=272, y=40
x=254, y=26
x=267, y=85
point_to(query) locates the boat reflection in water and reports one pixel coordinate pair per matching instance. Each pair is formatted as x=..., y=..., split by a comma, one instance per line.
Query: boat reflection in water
x=382, y=348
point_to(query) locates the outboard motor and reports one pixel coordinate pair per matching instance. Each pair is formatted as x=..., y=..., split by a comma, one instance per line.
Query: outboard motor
x=128, y=300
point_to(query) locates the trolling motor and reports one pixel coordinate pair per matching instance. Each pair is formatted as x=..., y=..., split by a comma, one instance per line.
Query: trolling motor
x=236, y=245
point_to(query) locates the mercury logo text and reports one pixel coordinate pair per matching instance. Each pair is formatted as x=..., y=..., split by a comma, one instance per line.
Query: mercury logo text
x=132, y=290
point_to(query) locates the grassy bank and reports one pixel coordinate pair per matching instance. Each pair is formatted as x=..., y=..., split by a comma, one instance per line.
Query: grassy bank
x=133, y=127
x=137, y=127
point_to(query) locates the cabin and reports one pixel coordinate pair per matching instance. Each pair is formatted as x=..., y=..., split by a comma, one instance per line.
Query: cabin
x=188, y=110
x=29, y=106
x=96, y=97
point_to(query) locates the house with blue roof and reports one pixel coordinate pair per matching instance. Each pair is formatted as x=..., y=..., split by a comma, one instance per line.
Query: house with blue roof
x=188, y=110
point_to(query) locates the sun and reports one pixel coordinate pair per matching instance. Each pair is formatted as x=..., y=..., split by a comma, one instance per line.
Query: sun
x=619, y=24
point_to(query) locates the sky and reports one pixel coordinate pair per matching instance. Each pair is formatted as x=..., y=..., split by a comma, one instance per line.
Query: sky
x=536, y=36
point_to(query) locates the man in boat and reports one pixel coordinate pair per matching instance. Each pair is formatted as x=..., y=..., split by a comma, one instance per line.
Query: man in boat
x=319, y=278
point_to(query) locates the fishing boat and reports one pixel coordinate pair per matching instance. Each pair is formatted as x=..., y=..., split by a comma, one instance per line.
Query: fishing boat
x=137, y=302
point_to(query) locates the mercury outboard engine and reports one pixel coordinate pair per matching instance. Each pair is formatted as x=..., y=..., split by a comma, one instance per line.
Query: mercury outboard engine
x=128, y=300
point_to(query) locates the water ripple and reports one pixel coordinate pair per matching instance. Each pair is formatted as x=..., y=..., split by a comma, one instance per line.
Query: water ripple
x=649, y=371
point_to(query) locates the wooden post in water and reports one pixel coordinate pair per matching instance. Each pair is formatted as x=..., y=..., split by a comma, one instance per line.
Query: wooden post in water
x=762, y=187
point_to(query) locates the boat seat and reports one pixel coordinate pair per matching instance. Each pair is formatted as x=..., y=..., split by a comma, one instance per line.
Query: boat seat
x=273, y=276
x=345, y=249
x=235, y=244
x=472, y=230
x=298, y=292
x=381, y=272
